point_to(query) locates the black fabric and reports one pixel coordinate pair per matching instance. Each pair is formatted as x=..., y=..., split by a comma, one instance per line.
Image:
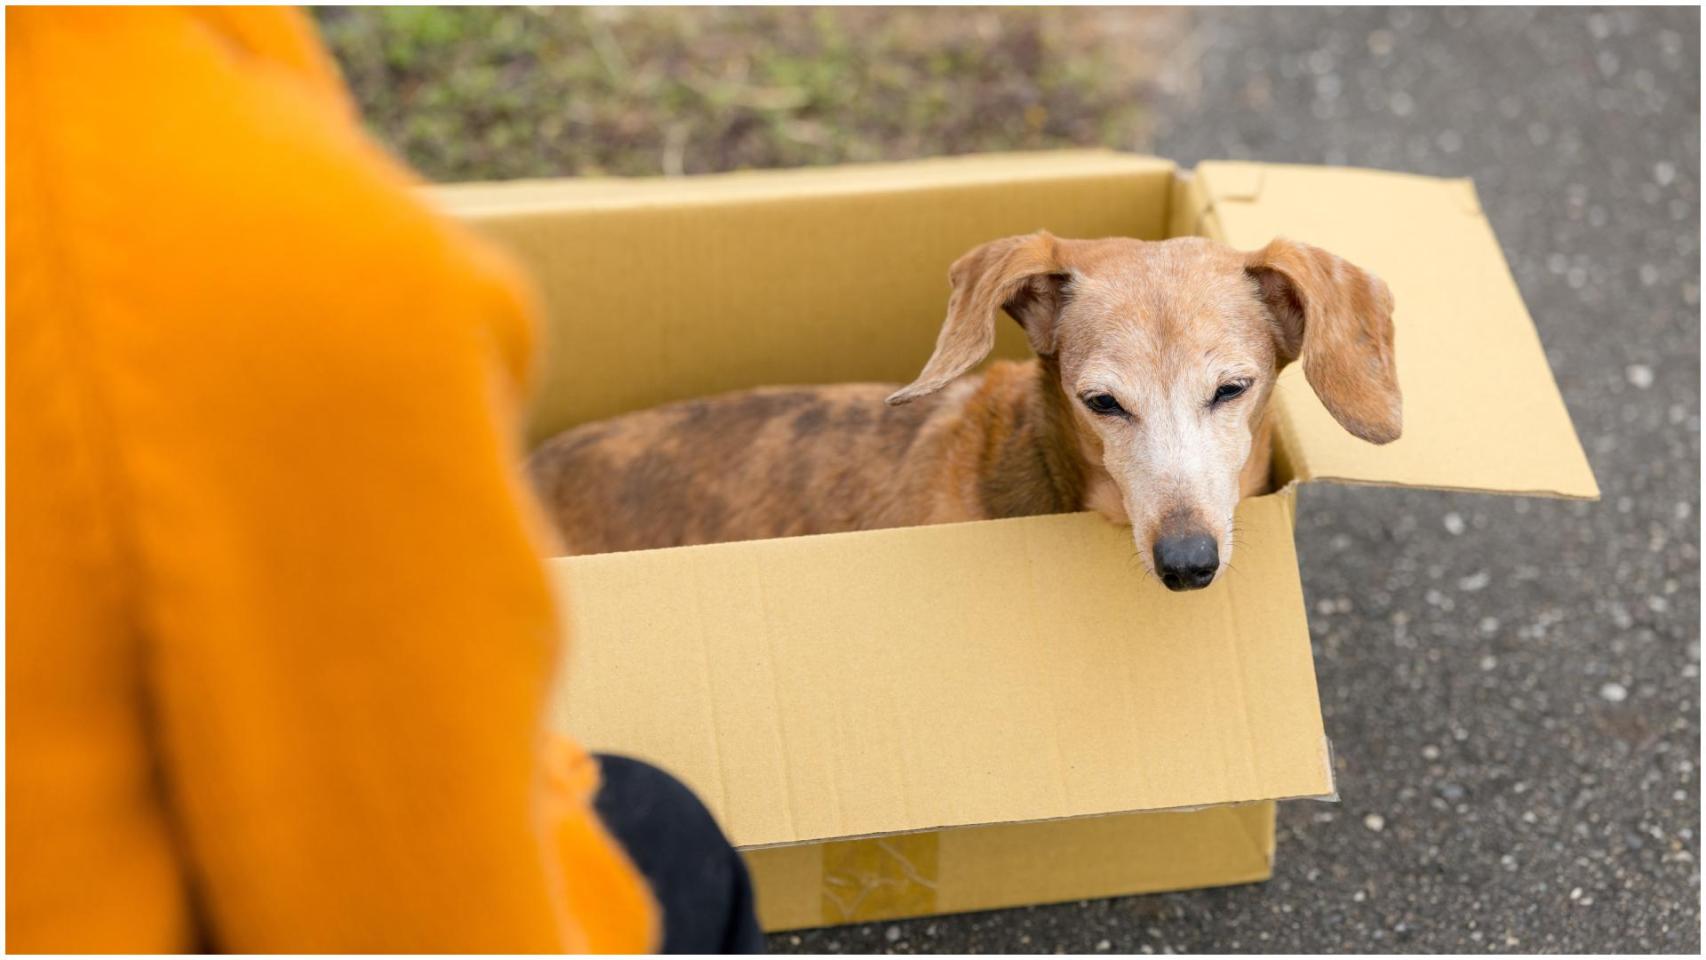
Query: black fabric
x=699, y=881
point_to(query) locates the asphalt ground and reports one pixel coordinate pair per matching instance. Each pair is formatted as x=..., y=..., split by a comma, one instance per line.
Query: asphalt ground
x=1511, y=684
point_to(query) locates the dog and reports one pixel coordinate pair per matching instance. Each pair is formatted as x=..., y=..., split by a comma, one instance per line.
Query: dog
x=1145, y=402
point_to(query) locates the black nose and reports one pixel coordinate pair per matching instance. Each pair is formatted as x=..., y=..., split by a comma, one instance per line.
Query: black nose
x=1188, y=562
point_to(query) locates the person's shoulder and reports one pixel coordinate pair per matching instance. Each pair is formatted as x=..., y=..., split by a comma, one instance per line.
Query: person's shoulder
x=207, y=168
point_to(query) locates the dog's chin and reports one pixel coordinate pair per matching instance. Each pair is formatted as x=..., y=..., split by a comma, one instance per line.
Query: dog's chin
x=1104, y=498
x=1115, y=515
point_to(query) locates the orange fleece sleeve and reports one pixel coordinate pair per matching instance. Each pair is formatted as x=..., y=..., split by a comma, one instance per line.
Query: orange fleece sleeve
x=315, y=636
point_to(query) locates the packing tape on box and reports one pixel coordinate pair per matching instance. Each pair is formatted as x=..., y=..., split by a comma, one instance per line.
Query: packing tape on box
x=880, y=878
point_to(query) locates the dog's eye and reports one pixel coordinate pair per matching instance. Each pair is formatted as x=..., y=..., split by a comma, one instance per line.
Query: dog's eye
x=1103, y=403
x=1229, y=391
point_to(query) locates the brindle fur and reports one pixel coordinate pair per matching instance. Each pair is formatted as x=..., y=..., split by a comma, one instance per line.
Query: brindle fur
x=788, y=461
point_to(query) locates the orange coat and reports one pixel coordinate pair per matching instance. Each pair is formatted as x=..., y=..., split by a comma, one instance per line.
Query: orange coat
x=278, y=638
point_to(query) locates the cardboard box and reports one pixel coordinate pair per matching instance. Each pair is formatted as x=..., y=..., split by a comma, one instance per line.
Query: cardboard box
x=938, y=719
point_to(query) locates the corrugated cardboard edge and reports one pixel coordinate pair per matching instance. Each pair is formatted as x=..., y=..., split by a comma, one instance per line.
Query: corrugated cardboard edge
x=1332, y=797
x=1546, y=492
x=535, y=197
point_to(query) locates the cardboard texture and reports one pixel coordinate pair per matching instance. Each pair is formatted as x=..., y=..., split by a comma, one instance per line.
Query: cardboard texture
x=1481, y=410
x=662, y=290
x=981, y=868
x=937, y=719
x=902, y=680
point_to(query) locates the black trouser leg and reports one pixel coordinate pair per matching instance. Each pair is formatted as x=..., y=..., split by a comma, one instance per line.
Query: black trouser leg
x=699, y=881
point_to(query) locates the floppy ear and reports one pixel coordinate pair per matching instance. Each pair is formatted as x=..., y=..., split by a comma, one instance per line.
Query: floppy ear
x=1022, y=275
x=1337, y=319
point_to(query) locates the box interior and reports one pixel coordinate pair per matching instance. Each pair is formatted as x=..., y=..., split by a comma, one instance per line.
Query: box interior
x=664, y=290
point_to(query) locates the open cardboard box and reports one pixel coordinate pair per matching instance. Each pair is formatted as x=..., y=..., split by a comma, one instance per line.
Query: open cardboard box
x=939, y=719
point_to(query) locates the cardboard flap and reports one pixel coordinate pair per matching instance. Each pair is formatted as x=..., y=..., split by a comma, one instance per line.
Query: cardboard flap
x=664, y=289
x=913, y=679
x=1481, y=410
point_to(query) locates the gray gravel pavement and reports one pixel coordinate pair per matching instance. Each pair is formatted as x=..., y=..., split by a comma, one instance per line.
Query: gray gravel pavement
x=1511, y=685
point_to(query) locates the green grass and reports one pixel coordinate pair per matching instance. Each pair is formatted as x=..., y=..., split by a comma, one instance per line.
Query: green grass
x=503, y=92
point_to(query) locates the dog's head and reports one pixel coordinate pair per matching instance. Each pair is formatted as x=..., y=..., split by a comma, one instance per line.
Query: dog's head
x=1167, y=353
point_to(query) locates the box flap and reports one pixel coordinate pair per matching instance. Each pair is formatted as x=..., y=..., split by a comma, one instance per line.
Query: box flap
x=902, y=680
x=664, y=289
x=1481, y=410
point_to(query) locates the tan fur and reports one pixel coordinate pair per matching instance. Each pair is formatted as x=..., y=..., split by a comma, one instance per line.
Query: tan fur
x=1160, y=326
